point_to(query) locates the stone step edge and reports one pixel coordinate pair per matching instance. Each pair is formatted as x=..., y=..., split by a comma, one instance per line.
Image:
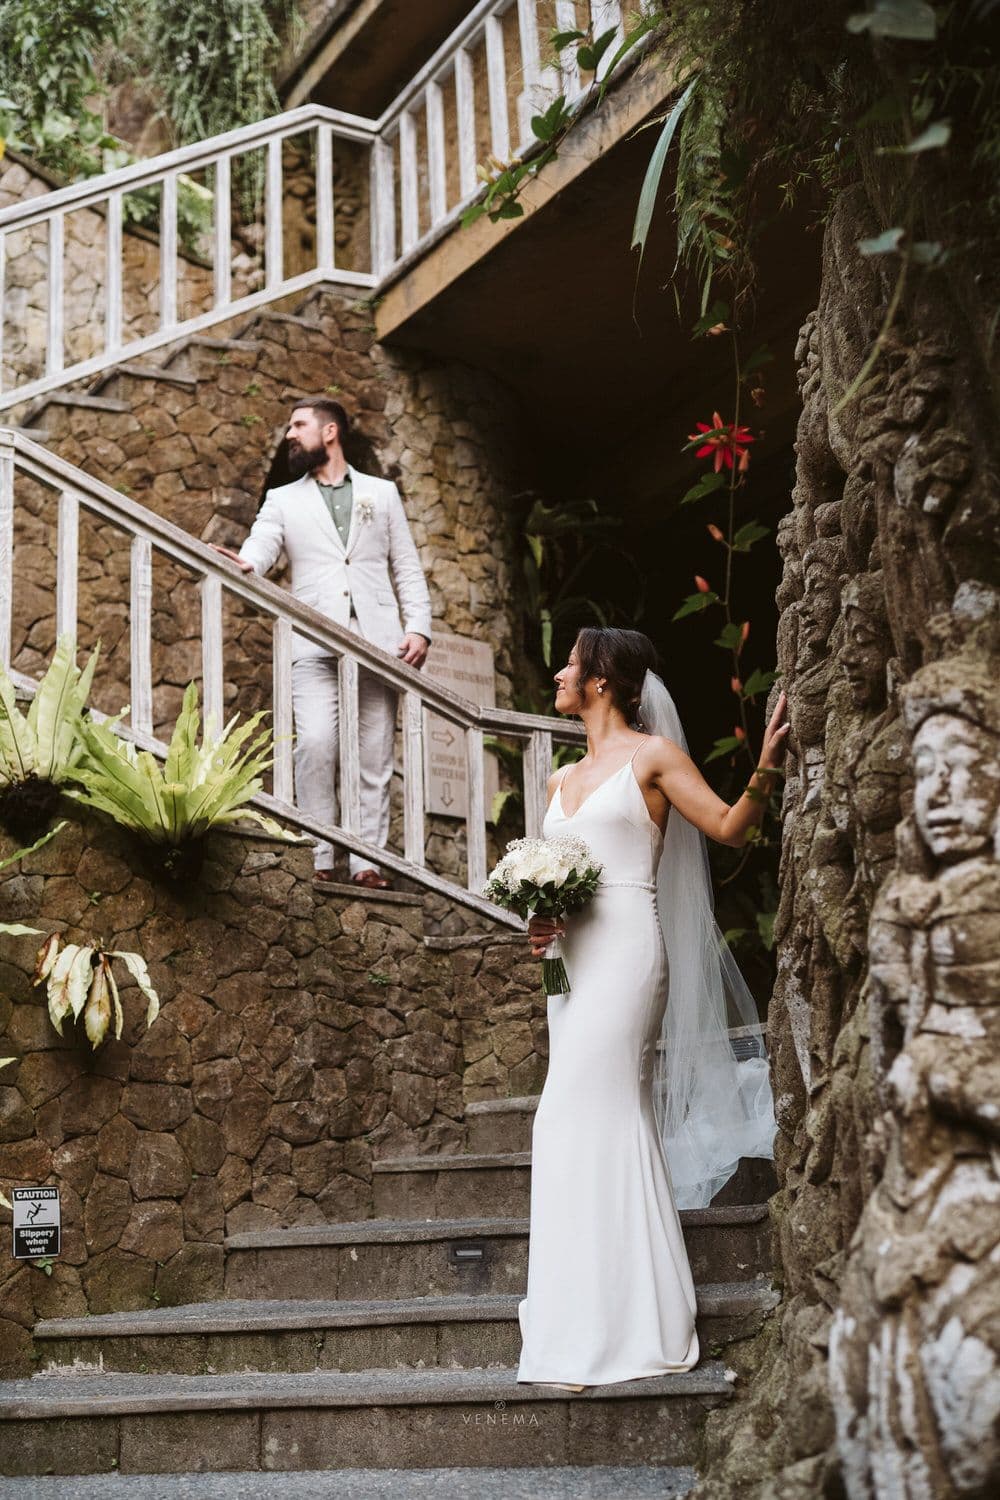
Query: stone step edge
x=466, y=1161
x=235, y=1316
x=526, y=1104
x=47, y=1396
x=403, y=1231
x=622, y=1481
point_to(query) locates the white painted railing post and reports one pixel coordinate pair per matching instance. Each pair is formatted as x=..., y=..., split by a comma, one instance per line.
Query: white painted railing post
x=568, y=65
x=325, y=245
x=212, y=694
x=437, y=176
x=475, y=816
x=222, y=252
x=67, y=564
x=607, y=14
x=350, y=755
x=408, y=183
x=273, y=229
x=531, y=68
x=113, y=293
x=536, y=771
x=282, y=725
x=465, y=106
x=141, y=633
x=6, y=547
x=414, y=837
x=55, y=349
x=496, y=78
x=168, y=251
x=383, y=208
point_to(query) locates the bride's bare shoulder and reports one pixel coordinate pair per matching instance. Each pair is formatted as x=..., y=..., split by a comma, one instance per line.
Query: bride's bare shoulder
x=658, y=751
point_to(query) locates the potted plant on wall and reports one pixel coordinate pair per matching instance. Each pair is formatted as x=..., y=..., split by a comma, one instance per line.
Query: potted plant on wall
x=40, y=748
x=199, y=787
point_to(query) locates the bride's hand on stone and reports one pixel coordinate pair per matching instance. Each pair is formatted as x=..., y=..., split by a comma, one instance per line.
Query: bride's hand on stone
x=775, y=737
x=541, y=931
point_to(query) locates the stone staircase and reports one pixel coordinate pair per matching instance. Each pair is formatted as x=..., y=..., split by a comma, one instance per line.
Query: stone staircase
x=389, y=1342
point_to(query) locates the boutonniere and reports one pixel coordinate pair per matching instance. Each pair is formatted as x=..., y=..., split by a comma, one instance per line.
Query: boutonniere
x=366, y=512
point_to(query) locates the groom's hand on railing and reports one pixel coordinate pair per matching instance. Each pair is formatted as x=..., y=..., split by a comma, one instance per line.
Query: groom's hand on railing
x=241, y=562
x=541, y=931
x=413, y=649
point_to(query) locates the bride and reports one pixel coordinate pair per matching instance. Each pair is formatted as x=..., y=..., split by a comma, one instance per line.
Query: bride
x=645, y=1106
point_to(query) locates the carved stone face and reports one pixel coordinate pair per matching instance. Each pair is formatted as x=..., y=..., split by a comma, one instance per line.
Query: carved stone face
x=818, y=607
x=956, y=798
x=863, y=657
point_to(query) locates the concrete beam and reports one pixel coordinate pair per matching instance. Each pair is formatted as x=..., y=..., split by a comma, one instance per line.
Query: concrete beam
x=635, y=98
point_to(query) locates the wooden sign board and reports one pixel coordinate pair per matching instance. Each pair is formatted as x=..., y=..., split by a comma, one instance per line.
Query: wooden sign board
x=465, y=666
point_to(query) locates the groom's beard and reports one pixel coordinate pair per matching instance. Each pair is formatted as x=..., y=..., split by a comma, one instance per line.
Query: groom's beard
x=304, y=460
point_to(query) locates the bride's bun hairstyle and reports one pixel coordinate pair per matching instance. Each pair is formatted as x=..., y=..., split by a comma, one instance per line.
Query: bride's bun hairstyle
x=622, y=658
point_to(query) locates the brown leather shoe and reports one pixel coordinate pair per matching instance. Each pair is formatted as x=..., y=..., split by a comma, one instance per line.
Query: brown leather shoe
x=328, y=877
x=372, y=879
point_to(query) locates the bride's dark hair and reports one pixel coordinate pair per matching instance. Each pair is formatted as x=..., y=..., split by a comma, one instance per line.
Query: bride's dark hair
x=622, y=658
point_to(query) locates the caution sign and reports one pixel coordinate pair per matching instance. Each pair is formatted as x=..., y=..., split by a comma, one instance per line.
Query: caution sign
x=465, y=666
x=37, y=1221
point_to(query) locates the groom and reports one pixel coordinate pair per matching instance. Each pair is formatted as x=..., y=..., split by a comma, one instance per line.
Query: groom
x=352, y=557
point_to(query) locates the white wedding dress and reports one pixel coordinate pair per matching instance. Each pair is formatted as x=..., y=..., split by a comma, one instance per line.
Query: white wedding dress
x=610, y=1293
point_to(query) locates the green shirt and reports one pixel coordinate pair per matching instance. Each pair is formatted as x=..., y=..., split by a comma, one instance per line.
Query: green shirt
x=339, y=502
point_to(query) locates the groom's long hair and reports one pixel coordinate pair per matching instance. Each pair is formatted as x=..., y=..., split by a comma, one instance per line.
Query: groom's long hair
x=622, y=658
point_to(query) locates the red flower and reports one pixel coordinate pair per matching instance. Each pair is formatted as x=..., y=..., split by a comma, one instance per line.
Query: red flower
x=736, y=684
x=729, y=443
x=744, y=631
x=701, y=585
x=740, y=732
x=714, y=532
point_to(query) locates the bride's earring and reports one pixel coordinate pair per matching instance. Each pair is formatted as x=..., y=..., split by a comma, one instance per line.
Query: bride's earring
x=600, y=688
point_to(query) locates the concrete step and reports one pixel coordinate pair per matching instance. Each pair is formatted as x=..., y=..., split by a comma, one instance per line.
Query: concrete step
x=154, y=1424
x=500, y=1124
x=460, y=1332
x=452, y=1187
x=474, y=1183
x=595, y=1482
x=377, y=1258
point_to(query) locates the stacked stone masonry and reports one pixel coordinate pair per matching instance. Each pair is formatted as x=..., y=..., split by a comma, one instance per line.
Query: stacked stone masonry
x=301, y=1036
x=881, y=1376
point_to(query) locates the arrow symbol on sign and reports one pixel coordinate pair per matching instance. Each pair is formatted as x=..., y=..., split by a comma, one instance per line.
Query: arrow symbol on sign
x=446, y=794
x=443, y=736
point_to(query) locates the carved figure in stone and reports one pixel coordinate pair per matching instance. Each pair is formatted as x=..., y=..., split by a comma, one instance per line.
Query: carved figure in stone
x=915, y=1354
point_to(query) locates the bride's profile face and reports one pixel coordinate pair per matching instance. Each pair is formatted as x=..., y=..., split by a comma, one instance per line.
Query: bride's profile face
x=569, y=698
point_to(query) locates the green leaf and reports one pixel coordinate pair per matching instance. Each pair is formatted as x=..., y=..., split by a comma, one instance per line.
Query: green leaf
x=500, y=801
x=560, y=40
x=136, y=965
x=928, y=253
x=757, y=359
x=547, y=125
x=694, y=603
x=719, y=312
x=906, y=20
x=765, y=927
x=758, y=682
x=472, y=214
x=748, y=534
x=654, y=172
x=707, y=485
x=730, y=637
x=885, y=243
x=931, y=139
x=510, y=210
x=20, y=853
x=589, y=58
x=723, y=747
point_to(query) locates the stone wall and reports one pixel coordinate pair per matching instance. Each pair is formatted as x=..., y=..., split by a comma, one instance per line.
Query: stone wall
x=196, y=446
x=301, y=1035
x=880, y=1378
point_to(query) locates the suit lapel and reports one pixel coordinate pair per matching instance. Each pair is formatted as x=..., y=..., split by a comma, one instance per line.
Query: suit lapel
x=320, y=507
x=363, y=493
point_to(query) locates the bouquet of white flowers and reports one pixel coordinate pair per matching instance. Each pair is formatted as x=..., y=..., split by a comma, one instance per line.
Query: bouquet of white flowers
x=546, y=878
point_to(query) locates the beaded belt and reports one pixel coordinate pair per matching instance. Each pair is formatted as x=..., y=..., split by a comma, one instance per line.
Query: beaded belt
x=638, y=885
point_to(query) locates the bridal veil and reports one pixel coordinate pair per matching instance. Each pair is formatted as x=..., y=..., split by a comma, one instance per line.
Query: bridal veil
x=711, y=1089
